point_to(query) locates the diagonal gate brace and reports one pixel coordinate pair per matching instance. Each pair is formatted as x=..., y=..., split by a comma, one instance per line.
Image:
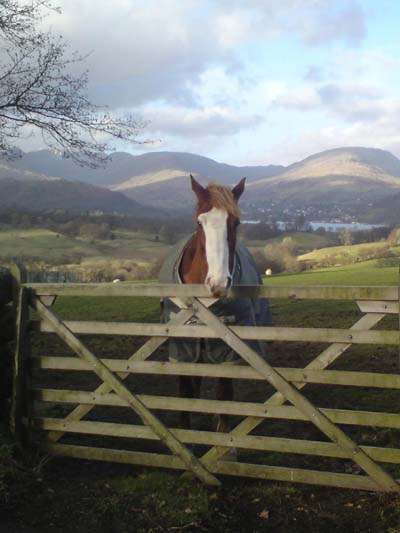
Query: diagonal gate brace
x=322, y=361
x=115, y=384
x=143, y=353
x=291, y=393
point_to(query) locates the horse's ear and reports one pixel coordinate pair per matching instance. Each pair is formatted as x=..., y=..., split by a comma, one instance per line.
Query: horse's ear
x=238, y=189
x=198, y=189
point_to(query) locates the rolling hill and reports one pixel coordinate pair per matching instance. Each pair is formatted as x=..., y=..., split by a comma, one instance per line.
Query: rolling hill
x=157, y=178
x=49, y=194
x=126, y=171
x=342, y=175
x=354, y=176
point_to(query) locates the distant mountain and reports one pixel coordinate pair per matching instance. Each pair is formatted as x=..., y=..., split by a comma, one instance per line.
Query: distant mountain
x=127, y=171
x=158, y=178
x=342, y=175
x=354, y=176
x=47, y=194
x=9, y=168
x=50, y=163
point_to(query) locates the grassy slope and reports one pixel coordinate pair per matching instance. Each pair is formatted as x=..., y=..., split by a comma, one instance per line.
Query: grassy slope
x=353, y=250
x=304, y=240
x=365, y=273
x=50, y=246
x=41, y=243
x=139, y=246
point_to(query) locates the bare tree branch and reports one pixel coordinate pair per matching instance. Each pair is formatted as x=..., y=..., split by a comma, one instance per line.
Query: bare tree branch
x=38, y=90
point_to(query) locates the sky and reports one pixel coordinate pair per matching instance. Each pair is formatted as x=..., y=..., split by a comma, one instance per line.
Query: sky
x=245, y=82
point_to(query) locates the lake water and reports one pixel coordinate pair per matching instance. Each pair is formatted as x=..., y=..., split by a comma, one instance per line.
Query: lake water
x=336, y=226
x=328, y=226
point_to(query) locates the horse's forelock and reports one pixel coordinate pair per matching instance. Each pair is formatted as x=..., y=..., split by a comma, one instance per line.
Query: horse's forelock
x=220, y=197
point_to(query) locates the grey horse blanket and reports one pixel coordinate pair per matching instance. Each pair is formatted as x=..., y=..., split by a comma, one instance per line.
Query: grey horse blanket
x=241, y=311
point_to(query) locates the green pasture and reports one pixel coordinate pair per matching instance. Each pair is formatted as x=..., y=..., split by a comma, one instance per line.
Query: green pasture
x=52, y=247
x=353, y=251
x=304, y=313
x=147, y=309
x=48, y=246
x=365, y=273
x=305, y=241
x=42, y=244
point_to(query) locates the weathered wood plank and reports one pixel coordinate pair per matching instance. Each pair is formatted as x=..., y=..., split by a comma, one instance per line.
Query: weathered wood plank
x=194, y=405
x=19, y=407
x=293, y=475
x=328, y=335
x=166, y=368
x=200, y=291
x=261, y=443
x=19, y=276
x=322, y=422
x=296, y=475
x=116, y=456
x=322, y=361
x=371, y=306
x=125, y=394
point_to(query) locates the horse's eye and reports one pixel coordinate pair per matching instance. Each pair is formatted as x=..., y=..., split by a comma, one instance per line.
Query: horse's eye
x=199, y=223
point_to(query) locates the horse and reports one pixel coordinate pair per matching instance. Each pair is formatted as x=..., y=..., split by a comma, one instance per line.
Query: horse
x=212, y=256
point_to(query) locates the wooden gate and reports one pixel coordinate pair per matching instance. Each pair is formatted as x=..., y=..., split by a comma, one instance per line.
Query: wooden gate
x=287, y=402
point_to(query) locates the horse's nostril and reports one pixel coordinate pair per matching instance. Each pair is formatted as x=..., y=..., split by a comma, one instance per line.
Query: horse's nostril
x=219, y=291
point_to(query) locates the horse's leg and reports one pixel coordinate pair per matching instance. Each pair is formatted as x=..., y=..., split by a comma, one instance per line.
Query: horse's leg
x=185, y=391
x=225, y=392
x=196, y=384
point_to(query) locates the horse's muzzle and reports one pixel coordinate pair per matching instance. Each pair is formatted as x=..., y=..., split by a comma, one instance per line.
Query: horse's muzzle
x=219, y=289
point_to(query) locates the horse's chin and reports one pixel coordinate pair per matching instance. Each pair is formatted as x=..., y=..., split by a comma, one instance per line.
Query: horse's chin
x=219, y=292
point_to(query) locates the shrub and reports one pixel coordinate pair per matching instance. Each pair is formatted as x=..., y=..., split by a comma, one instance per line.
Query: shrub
x=281, y=257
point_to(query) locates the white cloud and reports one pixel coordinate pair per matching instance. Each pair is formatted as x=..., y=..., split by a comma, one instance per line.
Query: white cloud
x=210, y=121
x=314, y=21
x=144, y=51
x=140, y=51
x=301, y=98
x=351, y=101
x=343, y=20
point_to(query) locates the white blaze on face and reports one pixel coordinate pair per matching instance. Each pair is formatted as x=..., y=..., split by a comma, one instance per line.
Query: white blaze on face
x=214, y=224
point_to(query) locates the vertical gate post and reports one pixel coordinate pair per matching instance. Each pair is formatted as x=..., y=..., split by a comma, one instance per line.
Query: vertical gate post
x=20, y=408
x=398, y=303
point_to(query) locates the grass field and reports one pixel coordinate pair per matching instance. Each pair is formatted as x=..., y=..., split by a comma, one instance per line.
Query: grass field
x=45, y=246
x=353, y=251
x=365, y=273
x=140, y=247
x=304, y=240
x=41, y=243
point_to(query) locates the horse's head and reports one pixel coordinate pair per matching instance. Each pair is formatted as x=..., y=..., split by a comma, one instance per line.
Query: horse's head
x=217, y=215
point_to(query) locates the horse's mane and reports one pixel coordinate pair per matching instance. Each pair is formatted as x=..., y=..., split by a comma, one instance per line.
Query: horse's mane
x=222, y=198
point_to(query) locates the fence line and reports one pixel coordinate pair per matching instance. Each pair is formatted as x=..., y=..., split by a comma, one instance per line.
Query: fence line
x=375, y=302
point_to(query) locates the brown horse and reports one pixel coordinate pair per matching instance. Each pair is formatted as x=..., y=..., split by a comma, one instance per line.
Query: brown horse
x=208, y=259
x=213, y=257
